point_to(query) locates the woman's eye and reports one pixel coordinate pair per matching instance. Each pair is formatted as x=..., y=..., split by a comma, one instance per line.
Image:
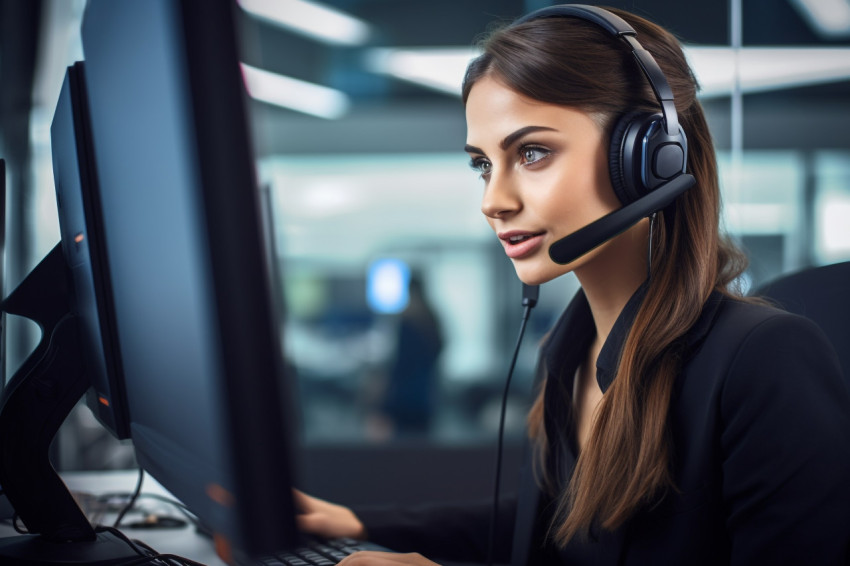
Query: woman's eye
x=480, y=165
x=533, y=154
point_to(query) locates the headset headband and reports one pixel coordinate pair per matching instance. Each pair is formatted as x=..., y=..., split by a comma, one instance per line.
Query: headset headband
x=618, y=27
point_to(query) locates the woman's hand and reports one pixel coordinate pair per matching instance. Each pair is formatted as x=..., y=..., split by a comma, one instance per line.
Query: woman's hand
x=372, y=558
x=328, y=520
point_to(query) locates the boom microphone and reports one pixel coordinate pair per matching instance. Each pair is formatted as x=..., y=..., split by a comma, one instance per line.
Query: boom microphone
x=572, y=247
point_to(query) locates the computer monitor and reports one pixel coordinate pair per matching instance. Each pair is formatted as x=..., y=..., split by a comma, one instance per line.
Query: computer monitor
x=176, y=270
x=83, y=248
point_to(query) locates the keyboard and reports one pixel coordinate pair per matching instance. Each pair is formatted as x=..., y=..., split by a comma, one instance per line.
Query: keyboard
x=317, y=553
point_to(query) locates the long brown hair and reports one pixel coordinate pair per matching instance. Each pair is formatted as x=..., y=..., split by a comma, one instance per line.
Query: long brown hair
x=570, y=62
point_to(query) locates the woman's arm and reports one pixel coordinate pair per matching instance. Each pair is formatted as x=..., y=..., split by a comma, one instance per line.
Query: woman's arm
x=452, y=532
x=458, y=532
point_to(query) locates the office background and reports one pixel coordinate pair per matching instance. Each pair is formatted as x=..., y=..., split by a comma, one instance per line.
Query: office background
x=361, y=159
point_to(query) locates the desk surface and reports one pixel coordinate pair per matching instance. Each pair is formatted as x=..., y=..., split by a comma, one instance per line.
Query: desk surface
x=182, y=541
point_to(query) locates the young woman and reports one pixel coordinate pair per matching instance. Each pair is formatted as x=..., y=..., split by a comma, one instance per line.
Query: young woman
x=676, y=422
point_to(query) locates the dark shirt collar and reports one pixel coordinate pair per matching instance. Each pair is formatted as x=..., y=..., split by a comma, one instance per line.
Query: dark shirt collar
x=609, y=356
x=573, y=334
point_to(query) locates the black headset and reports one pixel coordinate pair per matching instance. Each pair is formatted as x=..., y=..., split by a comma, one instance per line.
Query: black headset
x=648, y=152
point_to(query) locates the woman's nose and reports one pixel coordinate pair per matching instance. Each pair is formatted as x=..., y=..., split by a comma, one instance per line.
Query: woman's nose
x=500, y=197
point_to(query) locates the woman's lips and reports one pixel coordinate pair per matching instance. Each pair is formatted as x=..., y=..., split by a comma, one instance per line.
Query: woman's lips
x=519, y=244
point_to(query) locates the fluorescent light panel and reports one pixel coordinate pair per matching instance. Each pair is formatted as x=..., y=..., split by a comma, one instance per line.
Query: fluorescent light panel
x=760, y=68
x=311, y=19
x=830, y=18
x=763, y=69
x=439, y=69
x=294, y=94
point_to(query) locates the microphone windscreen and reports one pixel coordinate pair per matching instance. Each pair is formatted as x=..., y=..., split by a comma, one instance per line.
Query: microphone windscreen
x=572, y=247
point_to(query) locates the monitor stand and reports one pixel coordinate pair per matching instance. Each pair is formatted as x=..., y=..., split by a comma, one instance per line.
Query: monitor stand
x=33, y=406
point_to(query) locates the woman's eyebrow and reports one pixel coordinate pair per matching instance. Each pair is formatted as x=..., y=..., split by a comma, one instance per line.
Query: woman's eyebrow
x=511, y=138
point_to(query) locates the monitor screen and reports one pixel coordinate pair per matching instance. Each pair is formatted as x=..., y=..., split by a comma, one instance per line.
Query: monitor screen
x=193, y=309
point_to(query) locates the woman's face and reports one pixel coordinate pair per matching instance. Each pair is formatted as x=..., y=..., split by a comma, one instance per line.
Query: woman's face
x=545, y=172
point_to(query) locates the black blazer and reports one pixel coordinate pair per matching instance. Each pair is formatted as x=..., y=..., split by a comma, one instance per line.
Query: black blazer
x=760, y=422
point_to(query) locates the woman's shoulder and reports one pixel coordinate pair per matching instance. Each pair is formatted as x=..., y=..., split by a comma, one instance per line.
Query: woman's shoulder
x=741, y=318
x=765, y=346
x=749, y=344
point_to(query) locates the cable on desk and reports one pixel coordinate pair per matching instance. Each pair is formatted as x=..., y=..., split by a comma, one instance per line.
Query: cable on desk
x=132, y=500
x=180, y=506
x=147, y=555
x=132, y=544
x=152, y=520
x=21, y=530
x=167, y=559
x=161, y=559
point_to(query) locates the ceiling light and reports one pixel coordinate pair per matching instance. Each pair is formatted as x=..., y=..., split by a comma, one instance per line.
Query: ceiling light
x=830, y=18
x=311, y=19
x=761, y=69
x=294, y=94
x=440, y=69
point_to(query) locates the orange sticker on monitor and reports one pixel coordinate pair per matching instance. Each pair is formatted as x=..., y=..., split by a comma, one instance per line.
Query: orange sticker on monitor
x=222, y=548
x=220, y=495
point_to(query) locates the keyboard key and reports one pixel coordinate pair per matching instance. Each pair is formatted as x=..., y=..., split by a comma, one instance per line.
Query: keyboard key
x=315, y=553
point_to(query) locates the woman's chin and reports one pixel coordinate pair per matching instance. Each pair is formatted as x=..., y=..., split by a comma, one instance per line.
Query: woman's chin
x=535, y=276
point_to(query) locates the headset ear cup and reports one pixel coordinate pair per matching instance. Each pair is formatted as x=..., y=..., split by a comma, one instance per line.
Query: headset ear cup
x=620, y=177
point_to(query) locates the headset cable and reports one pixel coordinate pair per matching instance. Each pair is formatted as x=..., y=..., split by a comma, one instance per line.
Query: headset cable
x=529, y=300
